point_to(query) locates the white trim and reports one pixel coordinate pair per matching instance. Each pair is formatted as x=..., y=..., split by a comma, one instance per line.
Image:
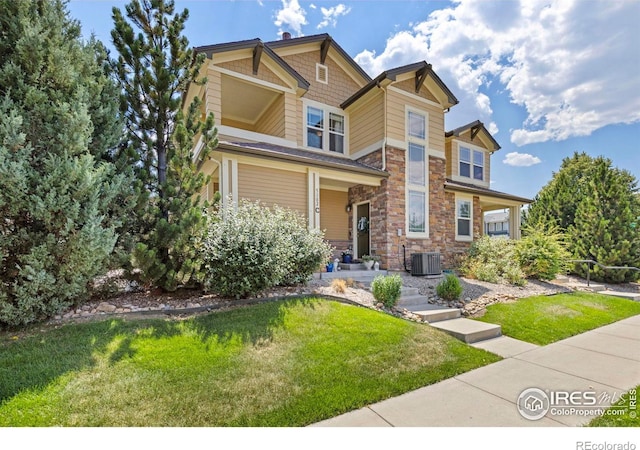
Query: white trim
x=485, y=155
x=424, y=143
x=229, y=182
x=469, y=199
x=313, y=199
x=415, y=97
x=326, y=110
x=197, y=149
x=224, y=130
x=319, y=69
x=368, y=150
x=249, y=79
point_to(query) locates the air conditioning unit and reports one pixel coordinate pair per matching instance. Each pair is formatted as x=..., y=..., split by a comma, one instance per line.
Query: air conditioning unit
x=425, y=264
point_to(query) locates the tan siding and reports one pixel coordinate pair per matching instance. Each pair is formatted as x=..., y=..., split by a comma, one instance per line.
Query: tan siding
x=273, y=186
x=448, y=154
x=333, y=216
x=214, y=99
x=410, y=86
x=366, y=125
x=272, y=120
x=455, y=159
x=245, y=67
x=396, y=119
x=340, y=86
x=292, y=118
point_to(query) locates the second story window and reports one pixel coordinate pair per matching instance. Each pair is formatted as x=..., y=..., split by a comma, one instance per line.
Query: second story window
x=325, y=129
x=417, y=207
x=471, y=163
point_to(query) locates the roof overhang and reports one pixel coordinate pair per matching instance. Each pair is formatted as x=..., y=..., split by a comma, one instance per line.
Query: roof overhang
x=424, y=76
x=496, y=199
x=475, y=129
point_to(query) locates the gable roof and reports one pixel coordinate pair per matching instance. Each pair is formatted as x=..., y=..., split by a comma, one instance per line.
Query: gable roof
x=326, y=42
x=474, y=127
x=422, y=70
x=258, y=47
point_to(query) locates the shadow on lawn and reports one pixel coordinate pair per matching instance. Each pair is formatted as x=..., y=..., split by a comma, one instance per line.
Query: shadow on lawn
x=38, y=360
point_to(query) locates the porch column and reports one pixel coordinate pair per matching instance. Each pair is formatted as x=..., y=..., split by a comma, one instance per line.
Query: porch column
x=514, y=222
x=313, y=200
x=229, y=180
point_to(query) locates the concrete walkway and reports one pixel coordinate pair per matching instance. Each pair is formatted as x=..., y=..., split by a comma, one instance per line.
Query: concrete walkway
x=605, y=361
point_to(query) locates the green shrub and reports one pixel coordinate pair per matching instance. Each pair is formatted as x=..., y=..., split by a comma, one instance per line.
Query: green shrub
x=493, y=260
x=252, y=248
x=387, y=289
x=449, y=288
x=542, y=253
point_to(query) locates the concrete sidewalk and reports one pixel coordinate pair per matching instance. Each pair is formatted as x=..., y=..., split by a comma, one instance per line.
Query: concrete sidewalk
x=605, y=361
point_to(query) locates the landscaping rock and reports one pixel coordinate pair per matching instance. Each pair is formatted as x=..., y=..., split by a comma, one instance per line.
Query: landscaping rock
x=106, y=307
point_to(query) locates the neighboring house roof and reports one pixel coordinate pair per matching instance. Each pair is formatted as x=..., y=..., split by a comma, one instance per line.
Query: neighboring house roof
x=473, y=189
x=326, y=42
x=496, y=217
x=304, y=156
x=259, y=48
x=422, y=69
x=474, y=128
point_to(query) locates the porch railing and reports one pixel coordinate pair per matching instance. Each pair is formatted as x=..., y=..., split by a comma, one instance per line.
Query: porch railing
x=591, y=263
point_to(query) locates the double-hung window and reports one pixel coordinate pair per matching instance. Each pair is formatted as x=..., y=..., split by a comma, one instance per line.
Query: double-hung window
x=325, y=129
x=464, y=213
x=471, y=163
x=416, y=174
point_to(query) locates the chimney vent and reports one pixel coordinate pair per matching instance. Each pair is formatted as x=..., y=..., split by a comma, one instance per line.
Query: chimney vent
x=286, y=35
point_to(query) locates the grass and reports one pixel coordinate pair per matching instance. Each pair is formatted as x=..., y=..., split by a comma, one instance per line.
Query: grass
x=630, y=417
x=545, y=319
x=286, y=363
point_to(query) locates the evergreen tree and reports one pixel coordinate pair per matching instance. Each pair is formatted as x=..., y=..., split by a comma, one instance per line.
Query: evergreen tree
x=155, y=67
x=597, y=206
x=56, y=197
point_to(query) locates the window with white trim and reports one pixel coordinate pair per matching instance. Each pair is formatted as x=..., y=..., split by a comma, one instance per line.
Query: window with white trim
x=416, y=174
x=325, y=129
x=471, y=168
x=464, y=219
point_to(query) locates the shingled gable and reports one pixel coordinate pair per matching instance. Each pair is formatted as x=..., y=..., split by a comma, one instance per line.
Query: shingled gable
x=259, y=50
x=325, y=42
x=423, y=71
x=475, y=128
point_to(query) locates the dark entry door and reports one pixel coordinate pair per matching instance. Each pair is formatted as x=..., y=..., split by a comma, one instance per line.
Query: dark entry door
x=362, y=228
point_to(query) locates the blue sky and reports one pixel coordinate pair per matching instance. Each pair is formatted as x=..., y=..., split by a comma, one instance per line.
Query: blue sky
x=546, y=77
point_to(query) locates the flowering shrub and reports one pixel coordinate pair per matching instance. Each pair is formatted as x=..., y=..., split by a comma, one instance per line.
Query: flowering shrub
x=251, y=248
x=493, y=260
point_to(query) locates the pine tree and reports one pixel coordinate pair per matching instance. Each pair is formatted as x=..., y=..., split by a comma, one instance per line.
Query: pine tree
x=56, y=197
x=597, y=205
x=155, y=67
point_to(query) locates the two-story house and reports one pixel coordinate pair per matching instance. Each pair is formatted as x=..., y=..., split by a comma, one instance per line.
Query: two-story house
x=368, y=161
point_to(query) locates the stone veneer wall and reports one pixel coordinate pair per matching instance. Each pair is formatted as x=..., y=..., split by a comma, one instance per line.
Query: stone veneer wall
x=387, y=213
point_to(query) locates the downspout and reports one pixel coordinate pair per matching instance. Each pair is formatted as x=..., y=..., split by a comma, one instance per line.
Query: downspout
x=384, y=138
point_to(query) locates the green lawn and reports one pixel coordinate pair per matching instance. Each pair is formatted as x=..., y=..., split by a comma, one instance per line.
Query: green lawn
x=285, y=363
x=545, y=319
x=631, y=416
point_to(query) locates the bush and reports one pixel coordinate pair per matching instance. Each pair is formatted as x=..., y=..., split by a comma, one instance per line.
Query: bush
x=542, y=253
x=339, y=285
x=387, y=289
x=493, y=260
x=449, y=288
x=252, y=248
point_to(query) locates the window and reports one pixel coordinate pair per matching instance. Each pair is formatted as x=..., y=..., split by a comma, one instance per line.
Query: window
x=322, y=137
x=322, y=73
x=416, y=174
x=463, y=219
x=467, y=166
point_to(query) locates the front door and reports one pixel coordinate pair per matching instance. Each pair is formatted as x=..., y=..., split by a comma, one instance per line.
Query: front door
x=362, y=230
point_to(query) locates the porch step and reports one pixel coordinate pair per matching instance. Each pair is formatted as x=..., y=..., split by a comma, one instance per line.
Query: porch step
x=356, y=275
x=435, y=314
x=630, y=295
x=412, y=300
x=469, y=331
x=352, y=266
x=409, y=291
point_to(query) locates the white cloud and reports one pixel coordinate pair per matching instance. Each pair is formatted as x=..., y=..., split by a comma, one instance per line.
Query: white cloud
x=330, y=15
x=567, y=63
x=291, y=15
x=521, y=159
